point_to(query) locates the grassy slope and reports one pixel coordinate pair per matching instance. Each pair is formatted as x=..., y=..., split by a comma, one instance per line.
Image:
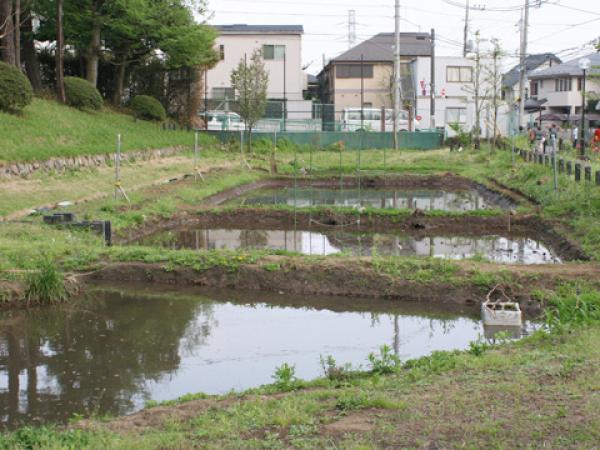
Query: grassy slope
x=47, y=129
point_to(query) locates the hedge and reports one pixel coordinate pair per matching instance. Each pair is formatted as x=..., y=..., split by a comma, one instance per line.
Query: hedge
x=15, y=90
x=148, y=108
x=82, y=94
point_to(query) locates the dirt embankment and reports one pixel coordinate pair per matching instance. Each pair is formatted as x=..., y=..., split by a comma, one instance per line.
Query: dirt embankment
x=353, y=278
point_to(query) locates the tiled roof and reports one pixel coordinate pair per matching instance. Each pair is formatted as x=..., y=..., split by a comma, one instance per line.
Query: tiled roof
x=570, y=68
x=532, y=62
x=381, y=47
x=259, y=29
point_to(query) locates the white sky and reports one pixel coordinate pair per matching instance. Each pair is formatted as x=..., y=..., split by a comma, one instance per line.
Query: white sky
x=559, y=26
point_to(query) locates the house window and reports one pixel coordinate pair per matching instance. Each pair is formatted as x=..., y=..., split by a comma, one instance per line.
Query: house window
x=563, y=85
x=273, y=51
x=354, y=70
x=223, y=93
x=534, y=88
x=579, y=85
x=456, y=115
x=221, y=52
x=458, y=74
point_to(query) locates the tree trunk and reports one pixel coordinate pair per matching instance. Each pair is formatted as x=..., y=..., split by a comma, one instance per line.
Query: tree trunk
x=32, y=65
x=60, y=53
x=7, y=31
x=93, y=55
x=196, y=96
x=17, y=33
x=120, y=71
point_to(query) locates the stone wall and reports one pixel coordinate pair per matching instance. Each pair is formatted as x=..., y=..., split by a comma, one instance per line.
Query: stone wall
x=23, y=169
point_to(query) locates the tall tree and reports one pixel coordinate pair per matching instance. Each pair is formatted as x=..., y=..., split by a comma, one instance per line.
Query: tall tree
x=32, y=65
x=17, y=33
x=60, y=53
x=7, y=32
x=250, y=81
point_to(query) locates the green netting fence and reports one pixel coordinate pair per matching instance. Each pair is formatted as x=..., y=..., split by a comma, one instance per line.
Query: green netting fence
x=419, y=140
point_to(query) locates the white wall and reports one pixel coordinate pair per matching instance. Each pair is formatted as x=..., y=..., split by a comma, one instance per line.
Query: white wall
x=457, y=95
x=236, y=46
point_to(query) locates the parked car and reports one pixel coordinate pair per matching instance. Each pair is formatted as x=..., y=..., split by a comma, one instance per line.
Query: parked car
x=223, y=120
x=371, y=120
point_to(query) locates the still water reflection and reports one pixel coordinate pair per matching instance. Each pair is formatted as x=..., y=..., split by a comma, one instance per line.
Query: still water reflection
x=493, y=248
x=116, y=350
x=424, y=199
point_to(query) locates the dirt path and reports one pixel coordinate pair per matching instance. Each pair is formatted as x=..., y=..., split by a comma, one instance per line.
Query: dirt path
x=32, y=185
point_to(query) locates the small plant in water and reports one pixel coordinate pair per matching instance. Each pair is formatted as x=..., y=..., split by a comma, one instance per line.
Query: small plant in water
x=46, y=284
x=385, y=362
x=285, y=377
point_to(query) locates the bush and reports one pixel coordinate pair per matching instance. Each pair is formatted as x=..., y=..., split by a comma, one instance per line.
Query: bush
x=15, y=90
x=82, y=94
x=148, y=108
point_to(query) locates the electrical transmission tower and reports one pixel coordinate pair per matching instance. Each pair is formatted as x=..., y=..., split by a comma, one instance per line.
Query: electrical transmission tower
x=351, y=28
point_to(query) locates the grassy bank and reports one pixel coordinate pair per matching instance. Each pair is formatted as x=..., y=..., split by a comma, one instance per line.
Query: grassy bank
x=47, y=129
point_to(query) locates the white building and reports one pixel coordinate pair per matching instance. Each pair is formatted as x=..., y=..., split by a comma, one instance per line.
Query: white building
x=454, y=99
x=510, y=86
x=561, y=87
x=282, y=52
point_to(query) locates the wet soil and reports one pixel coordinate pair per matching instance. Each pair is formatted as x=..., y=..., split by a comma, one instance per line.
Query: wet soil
x=353, y=278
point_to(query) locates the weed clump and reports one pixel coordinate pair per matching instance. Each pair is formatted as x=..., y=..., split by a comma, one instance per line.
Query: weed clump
x=45, y=285
x=285, y=377
x=385, y=362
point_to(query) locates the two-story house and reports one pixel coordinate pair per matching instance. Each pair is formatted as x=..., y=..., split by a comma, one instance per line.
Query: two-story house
x=366, y=72
x=561, y=87
x=281, y=47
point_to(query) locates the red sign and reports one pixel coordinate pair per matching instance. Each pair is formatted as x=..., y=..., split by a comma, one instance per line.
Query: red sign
x=419, y=118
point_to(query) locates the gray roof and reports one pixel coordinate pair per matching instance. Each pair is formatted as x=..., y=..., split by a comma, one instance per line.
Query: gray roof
x=259, y=29
x=568, y=69
x=381, y=47
x=532, y=62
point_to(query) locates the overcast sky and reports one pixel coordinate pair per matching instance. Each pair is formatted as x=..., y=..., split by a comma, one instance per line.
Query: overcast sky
x=560, y=26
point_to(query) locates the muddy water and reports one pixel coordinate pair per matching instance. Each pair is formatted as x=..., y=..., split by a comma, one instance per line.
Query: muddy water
x=457, y=201
x=111, y=353
x=494, y=248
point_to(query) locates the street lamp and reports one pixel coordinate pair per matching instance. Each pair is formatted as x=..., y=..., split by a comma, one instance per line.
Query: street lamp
x=584, y=65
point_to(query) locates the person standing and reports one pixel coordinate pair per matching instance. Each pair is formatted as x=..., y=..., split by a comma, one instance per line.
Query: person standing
x=575, y=136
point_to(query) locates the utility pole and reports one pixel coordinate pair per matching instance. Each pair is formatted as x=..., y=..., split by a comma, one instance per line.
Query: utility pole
x=466, y=33
x=397, y=79
x=477, y=93
x=432, y=85
x=523, y=64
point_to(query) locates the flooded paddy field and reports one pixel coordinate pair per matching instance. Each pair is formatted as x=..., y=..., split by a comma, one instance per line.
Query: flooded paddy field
x=499, y=249
x=444, y=193
x=119, y=348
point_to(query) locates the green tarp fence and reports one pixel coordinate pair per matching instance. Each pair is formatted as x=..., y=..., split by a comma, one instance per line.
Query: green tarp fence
x=419, y=140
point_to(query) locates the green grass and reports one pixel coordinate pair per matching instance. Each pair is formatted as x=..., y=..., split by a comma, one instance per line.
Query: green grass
x=47, y=129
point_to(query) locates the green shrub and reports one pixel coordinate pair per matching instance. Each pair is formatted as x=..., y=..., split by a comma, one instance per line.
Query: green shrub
x=15, y=89
x=148, y=108
x=82, y=94
x=46, y=284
